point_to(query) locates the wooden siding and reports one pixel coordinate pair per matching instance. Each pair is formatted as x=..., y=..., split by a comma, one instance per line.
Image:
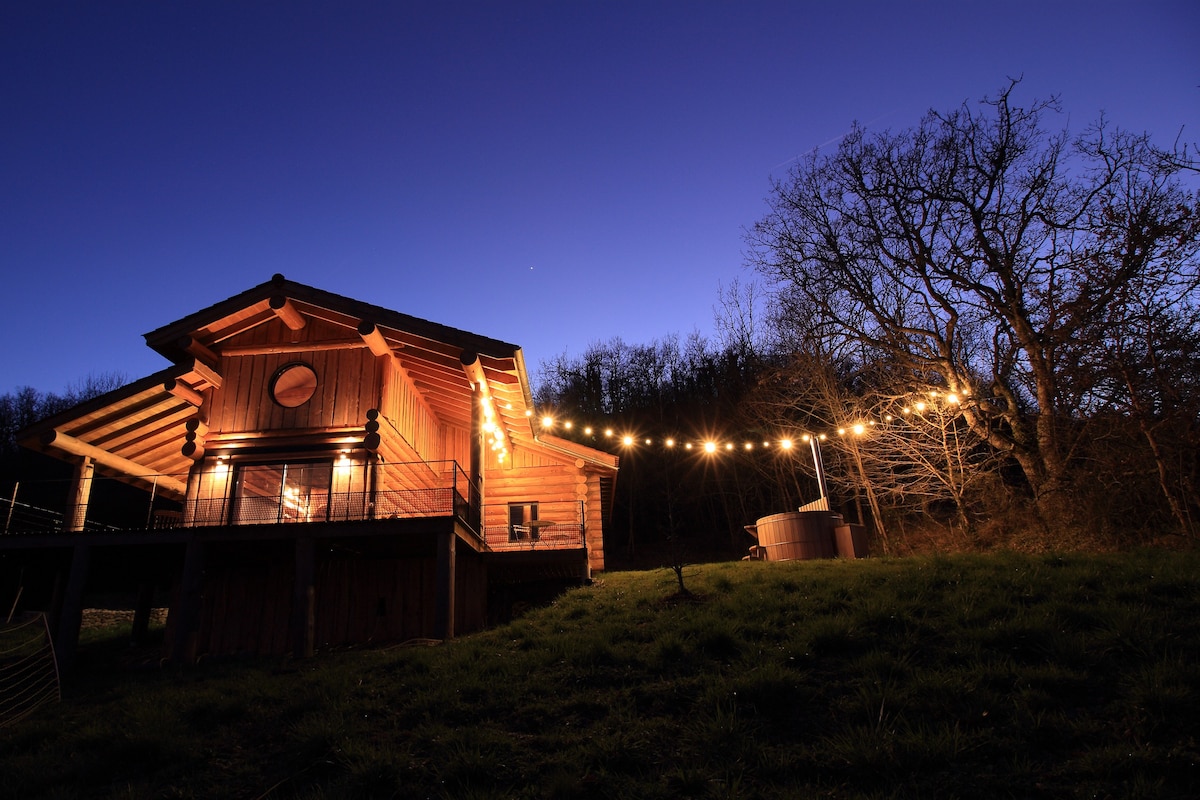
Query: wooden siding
x=381, y=599
x=456, y=445
x=247, y=607
x=247, y=600
x=536, y=457
x=559, y=485
x=551, y=484
x=409, y=414
x=347, y=386
x=351, y=479
x=209, y=493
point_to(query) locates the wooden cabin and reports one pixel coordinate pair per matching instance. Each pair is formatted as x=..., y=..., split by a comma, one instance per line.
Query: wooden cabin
x=320, y=472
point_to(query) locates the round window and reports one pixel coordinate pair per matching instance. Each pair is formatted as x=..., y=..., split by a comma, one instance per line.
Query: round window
x=293, y=385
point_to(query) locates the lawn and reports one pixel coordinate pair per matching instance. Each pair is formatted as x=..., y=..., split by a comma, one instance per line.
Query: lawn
x=932, y=677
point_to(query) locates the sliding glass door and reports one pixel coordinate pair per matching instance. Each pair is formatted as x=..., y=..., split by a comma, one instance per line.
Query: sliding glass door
x=273, y=493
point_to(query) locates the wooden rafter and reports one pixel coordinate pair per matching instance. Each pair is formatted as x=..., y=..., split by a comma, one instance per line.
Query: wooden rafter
x=286, y=310
x=69, y=444
x=373, y=336
x=478, y=378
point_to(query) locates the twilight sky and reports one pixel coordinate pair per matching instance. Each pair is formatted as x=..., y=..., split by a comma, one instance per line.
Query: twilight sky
x=551, y=174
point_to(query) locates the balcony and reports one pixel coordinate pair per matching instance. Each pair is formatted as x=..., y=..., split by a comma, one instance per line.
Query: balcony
x=564, y=532
x=257, y=495
x=397, y=491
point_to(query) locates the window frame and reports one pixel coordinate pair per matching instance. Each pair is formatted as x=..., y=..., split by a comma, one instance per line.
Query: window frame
x=520, y=530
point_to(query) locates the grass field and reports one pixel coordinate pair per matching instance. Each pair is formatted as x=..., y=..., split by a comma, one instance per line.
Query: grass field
x=1004, y=675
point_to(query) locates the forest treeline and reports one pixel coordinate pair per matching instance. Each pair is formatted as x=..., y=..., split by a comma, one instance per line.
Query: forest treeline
x=25, y=406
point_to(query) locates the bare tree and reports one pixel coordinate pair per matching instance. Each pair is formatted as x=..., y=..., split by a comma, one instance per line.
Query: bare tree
x=972, y=254
x=27, y=405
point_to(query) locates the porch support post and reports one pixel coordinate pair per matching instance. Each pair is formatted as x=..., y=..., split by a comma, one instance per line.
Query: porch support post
x=81, y=491
x=185, y=614
x=141, y=612
x=304, y=598
x=444, y=585
x=66, y=639
x=191, y=499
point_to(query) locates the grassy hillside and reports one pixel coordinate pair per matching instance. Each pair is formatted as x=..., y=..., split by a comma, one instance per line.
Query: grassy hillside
x=966, y=676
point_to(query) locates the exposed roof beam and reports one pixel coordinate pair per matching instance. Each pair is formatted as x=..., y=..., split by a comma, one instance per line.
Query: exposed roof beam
x=297, y=347
x=184, y=392
x=286, y=310
x=478, y=378
x=78, y=447
x=373, y=336
x=193, y=347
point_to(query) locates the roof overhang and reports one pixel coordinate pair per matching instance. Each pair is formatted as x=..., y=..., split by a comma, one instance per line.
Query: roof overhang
x=136, y=431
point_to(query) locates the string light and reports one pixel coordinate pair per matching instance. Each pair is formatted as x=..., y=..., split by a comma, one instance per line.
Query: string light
x=495, y=433
x=934, y=399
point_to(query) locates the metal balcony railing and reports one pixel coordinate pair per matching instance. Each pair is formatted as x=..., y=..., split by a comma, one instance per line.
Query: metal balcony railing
x=448, y=496
x=335, y=507
x=565, y=532
x=444, y=490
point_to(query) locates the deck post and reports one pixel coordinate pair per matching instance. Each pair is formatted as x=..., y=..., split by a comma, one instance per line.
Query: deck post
x=444, y=586
x=66, y=640
x=141, y=613
x=304, y=598
x=185, y=614
x=81, y=491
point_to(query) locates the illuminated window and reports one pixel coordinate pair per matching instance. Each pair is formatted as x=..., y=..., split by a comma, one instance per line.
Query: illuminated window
x=521, y=522
x=272, y=493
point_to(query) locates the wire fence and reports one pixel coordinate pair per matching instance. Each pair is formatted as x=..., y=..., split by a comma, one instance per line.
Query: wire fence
x=28, y=669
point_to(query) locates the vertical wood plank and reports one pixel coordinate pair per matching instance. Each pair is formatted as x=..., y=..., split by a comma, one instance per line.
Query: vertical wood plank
x=66, y=640
x=444, y=586
x=187, y=605
x=304, y=597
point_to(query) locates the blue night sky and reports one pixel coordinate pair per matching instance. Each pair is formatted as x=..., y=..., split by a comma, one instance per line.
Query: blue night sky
x=551, y=174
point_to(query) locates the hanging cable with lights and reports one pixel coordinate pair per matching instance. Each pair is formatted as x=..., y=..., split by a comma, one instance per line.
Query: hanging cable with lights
x=721, y=444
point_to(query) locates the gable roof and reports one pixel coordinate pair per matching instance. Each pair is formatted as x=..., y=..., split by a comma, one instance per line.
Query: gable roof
x=210, y=326
x=138, y=430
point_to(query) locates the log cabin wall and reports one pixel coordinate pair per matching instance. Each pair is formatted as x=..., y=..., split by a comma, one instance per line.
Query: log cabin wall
x=558, y=484
x=593, y=524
